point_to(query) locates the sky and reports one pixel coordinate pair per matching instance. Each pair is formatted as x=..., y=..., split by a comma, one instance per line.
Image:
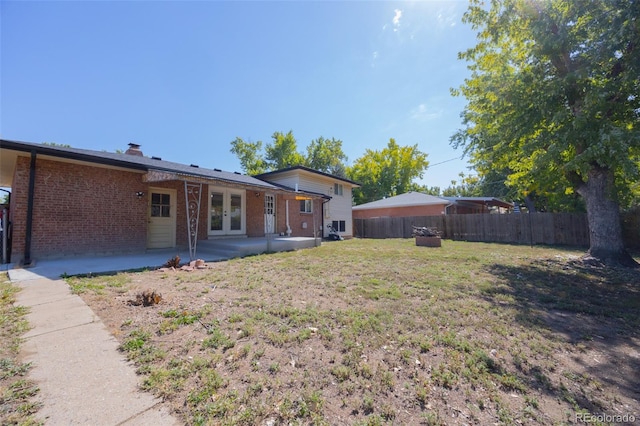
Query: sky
x=185, y=78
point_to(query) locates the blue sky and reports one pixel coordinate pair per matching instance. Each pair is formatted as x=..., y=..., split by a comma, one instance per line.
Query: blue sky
x=184, y=79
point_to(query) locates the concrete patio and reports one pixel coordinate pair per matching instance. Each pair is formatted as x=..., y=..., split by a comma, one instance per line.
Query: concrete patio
x=213, y=250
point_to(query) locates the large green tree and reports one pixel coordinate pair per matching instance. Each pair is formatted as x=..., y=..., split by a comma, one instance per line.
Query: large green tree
x=388, y=172
x=250, y=156
x=553, y=98
x=467, y=186
x=283, y=152
x=324, y=155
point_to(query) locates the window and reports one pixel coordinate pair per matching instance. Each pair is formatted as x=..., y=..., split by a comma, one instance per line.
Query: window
x=337, y=189
x=217, y=204
x=160, y=205
x=339, y=225
x=306, y=206
x=235, y=212
x=269, y=205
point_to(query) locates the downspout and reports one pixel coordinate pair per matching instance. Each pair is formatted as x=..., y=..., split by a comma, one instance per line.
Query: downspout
x=32, y=184
x=443, y=232
x=287, y=211
x=288, y=232
x=446, y=207
x=315, y=224
x=5, y=229
x=323, y=215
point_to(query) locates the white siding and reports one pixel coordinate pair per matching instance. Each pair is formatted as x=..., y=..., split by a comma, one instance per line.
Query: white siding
x=340, y=209
x=340, y=205
x=286, y=180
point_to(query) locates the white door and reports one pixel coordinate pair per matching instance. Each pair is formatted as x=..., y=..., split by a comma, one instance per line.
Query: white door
x=269, y=214
x=161, y=232
x=226, y=211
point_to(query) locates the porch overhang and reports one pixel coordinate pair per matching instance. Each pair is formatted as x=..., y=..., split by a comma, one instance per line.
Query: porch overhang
x=193, y=188
x=155, y=176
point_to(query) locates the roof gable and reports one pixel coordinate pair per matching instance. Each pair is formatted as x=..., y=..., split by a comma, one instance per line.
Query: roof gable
x=304, y=170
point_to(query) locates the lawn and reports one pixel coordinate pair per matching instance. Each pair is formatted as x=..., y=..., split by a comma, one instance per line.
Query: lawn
x=375, y=332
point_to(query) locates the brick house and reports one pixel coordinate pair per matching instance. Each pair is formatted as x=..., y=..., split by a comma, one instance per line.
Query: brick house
x=419, y=204
x=338, y=201
x=69, y=201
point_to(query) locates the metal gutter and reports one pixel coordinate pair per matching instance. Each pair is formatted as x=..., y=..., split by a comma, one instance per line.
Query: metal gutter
x=132, y=165
x=43, y=150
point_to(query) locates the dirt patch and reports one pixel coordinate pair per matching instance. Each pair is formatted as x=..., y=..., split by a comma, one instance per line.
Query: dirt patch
x=363, y=333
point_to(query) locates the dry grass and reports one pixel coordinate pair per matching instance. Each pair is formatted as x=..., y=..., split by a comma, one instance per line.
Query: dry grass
x=17, y=394
x=381, y=331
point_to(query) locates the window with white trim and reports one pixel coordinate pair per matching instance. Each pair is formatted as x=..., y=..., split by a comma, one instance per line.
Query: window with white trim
x=337, y=189
x=339, y=225
x=306, y=206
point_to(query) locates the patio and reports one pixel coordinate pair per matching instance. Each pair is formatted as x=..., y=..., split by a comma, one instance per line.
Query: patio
x=214, y=250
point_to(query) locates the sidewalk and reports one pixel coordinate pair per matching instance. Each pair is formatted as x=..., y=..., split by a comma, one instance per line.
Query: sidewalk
x=83, y=378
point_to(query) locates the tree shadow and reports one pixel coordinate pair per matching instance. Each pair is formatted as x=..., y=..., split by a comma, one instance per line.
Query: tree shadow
x=596, y=310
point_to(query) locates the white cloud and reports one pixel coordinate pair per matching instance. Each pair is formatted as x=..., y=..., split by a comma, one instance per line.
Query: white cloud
x=424, y=112
x=396, y=19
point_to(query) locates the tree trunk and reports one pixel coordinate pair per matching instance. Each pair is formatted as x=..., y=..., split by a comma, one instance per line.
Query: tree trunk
x=603, y=215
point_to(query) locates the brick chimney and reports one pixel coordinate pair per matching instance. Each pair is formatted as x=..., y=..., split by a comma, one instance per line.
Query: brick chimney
x=134, y=149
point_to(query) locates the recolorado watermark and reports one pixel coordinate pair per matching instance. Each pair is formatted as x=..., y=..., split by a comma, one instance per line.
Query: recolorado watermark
x=605, y=418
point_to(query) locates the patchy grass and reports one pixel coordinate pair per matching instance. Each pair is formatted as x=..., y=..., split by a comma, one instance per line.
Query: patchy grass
x=98, y=284
x=375, y=332
x=18, y=402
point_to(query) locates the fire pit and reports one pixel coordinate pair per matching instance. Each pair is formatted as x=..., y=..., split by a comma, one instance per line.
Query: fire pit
x=427, y=237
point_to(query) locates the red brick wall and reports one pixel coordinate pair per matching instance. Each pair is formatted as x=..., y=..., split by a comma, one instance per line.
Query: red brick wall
x=255, y=214
x=18, y=208
x=78, y=209
x=432, y=210
x=83, y=209
x=297, y=218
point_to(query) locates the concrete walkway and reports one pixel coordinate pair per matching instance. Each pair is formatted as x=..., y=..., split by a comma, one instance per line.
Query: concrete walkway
x=83, y=378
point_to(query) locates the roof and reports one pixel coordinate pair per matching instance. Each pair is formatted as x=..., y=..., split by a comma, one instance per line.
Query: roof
x=409, y=199
x=305, y=169
x=488, y=201
x=127, y=161
x=301, y=191
x=404, y=200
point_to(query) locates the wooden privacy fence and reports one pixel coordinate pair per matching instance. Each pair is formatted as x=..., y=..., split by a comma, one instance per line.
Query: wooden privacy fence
x=533, y=228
